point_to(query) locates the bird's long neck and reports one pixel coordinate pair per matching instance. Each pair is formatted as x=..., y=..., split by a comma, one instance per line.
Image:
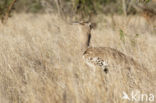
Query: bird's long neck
x=84, y=37
x=85, y=43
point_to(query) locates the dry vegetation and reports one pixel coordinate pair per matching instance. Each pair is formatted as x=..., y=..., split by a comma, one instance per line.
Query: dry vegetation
x=40, y=62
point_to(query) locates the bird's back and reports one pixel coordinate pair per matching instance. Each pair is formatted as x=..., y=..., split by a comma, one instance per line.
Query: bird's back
x=109, y=55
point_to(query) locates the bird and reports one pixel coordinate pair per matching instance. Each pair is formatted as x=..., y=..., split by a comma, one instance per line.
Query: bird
x=100, y=57
x=114, y=68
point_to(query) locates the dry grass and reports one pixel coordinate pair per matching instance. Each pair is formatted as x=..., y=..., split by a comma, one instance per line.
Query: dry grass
x=40, y=62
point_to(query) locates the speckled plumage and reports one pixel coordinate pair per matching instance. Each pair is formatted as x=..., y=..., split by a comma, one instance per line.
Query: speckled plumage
x=103, y=57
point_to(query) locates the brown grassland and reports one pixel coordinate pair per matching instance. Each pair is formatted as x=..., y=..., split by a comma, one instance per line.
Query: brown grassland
x=40, y=62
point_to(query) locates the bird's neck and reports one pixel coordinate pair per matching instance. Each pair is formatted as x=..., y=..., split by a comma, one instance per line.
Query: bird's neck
x=85, y=43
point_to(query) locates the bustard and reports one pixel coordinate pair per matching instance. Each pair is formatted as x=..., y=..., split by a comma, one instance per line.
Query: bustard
x=117, y=66
x=101, y=57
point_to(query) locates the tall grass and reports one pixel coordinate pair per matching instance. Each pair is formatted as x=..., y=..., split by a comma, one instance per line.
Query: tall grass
x=40, y=62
